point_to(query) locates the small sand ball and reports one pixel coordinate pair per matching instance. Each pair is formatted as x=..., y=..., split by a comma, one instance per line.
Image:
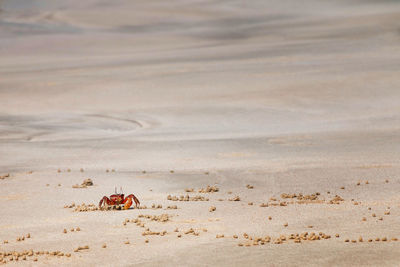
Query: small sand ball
x=179, y=236
x=65, y=231
x=77, y=229
x=364, y=219
x=286, y=224
x=146, y=241
x=250, y=203
x=337, y=235
x=127, y=242
x=269, y=218
x=87, y=182
x=235, y=236
x=212, y=208
x=104, y=245
x=342, y=187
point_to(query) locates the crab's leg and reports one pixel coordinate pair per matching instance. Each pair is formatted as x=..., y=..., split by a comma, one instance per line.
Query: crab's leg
x=128, y=201
x=106, y=201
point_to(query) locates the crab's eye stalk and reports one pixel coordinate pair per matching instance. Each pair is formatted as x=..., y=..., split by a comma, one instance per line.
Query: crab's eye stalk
x=115, y=189
x=121, y=190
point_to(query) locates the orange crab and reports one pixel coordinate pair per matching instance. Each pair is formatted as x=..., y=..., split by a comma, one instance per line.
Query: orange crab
x=118, y=199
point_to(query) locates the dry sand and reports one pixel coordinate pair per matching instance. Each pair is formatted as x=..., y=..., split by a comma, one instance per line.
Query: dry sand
x=286, y=96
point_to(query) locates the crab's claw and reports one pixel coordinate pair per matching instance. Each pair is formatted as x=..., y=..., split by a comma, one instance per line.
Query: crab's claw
x=128, y=201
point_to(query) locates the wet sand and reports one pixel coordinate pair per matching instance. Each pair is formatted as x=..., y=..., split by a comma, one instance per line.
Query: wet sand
x=288, y=97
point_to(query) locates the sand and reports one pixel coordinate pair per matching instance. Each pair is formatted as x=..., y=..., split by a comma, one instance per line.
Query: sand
x=257, y=98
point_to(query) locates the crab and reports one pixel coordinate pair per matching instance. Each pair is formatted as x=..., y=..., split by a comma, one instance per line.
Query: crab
x=117, y=199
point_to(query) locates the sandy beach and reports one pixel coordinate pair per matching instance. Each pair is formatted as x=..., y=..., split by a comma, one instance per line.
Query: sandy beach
x=254, y=133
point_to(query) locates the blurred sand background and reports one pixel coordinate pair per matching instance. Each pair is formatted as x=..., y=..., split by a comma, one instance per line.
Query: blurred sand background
x=289, y=96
